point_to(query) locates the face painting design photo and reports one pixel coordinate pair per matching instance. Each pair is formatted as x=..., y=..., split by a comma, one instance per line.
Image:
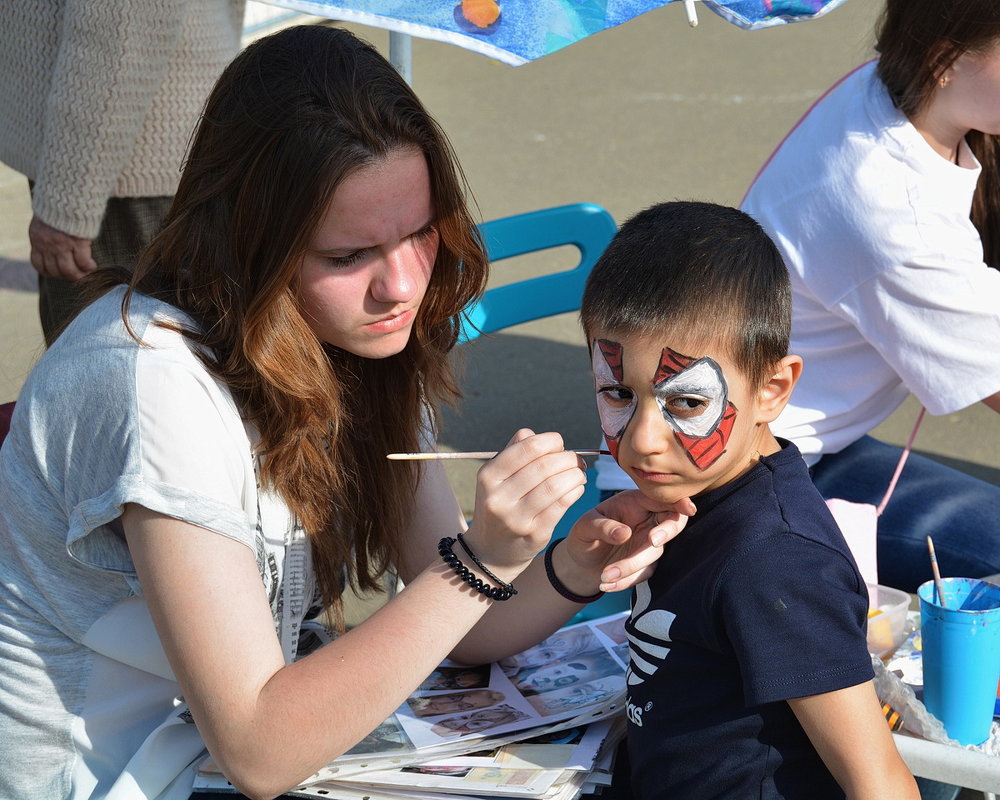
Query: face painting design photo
x=691, y=394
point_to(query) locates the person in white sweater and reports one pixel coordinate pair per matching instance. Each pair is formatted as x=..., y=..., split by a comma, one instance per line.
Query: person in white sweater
x=99, y=101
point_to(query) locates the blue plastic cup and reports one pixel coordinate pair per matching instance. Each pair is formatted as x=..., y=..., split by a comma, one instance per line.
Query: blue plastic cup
x=961, y=655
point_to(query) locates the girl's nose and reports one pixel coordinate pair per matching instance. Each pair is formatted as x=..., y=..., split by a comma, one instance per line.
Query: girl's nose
x=397, y=278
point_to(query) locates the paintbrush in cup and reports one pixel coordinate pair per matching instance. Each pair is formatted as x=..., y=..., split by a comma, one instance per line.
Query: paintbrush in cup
x=937, y=572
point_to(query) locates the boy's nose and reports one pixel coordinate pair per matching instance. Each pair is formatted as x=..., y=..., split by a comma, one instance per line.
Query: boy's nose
x=648, y=432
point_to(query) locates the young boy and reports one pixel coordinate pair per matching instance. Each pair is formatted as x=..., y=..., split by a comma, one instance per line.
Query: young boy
x=750, y=675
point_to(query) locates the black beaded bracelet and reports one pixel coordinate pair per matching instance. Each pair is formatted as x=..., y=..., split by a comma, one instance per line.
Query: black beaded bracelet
x=502, y=592
x=558, y=585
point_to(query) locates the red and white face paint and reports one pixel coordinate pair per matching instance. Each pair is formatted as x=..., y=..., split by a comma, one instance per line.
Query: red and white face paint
x=682, y=385
x=691, y=393
x=614, y=410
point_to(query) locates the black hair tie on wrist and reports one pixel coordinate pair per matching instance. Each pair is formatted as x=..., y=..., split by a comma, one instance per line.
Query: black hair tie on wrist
x=502, y=592
x=478, y=563
x=558, y=585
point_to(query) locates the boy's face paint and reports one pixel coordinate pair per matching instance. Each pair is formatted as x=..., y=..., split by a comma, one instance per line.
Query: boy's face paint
x=612, y=408
x=691, y=393
x=694, y=398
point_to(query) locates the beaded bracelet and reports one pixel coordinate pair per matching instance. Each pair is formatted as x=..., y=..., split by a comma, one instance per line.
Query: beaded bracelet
x=502, y=592
x=558, y=585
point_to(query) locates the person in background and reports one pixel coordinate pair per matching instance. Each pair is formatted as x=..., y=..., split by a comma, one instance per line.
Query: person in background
x=99, y=101
x=749, y=669
x=885, y=203
x=198, y=466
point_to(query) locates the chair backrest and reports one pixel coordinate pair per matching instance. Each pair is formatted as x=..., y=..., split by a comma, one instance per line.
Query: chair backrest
x=586, y=226
x=590, y=229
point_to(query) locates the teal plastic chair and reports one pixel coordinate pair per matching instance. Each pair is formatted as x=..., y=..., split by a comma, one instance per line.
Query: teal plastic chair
x=587, y=227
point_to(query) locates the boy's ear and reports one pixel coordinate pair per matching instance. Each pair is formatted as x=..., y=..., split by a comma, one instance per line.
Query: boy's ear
x=775, y=392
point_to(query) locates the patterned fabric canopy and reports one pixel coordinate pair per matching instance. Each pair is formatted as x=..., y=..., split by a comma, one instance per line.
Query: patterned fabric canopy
x=518, y=31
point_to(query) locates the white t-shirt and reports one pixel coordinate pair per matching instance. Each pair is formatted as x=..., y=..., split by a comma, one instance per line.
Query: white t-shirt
x=890, y=294
x=88, y=704
x=890, y=291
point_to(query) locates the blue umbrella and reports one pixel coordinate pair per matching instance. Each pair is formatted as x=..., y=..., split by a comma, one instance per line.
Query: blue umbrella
x=518, y=31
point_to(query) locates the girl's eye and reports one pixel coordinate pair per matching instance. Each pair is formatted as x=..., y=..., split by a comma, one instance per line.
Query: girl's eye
x=686, y=406
x=351, y=259
x=346, y=261
x=616, y=395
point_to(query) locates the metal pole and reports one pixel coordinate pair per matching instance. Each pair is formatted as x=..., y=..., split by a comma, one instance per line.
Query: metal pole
x=401, y=54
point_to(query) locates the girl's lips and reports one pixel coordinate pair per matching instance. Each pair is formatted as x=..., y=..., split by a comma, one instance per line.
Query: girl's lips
x=393, y=323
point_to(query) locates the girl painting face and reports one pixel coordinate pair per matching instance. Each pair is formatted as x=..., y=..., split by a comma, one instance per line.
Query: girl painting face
x=368, y=265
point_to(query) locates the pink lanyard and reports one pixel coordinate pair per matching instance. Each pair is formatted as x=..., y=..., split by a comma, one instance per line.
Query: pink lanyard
x=902, y=461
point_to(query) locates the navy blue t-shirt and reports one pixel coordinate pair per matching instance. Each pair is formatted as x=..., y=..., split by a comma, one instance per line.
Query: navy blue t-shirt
x=756, y=602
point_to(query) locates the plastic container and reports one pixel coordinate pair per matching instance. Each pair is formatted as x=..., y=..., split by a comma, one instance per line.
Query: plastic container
x=887, y=609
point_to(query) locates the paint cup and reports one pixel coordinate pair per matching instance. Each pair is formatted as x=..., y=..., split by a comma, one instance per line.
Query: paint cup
x=961, y=655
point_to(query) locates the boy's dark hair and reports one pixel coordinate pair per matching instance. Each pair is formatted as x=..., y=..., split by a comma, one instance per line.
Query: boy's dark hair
x=699, y=271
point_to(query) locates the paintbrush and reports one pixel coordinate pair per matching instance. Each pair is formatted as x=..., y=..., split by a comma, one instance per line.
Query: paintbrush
x=937, y=573
x=481, y=454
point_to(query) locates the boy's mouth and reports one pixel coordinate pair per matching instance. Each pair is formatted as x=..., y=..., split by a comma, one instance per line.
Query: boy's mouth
x=655, y=477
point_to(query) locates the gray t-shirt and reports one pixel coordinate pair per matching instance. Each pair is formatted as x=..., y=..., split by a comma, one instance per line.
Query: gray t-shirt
x=88, y=704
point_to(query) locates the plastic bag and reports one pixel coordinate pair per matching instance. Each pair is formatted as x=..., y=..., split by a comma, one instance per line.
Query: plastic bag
x=916, y=718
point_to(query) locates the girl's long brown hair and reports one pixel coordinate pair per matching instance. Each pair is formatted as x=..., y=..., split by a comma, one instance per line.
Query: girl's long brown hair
x=289, y=119
x=917, y=40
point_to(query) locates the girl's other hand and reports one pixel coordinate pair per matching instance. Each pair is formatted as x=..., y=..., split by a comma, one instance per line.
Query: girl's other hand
x=624, y=536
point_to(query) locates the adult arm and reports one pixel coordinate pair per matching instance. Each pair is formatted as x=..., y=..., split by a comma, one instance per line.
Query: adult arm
x=850, y=734
x=520, y=496
x=267, y=724
x=270, y=725
x=932, y=318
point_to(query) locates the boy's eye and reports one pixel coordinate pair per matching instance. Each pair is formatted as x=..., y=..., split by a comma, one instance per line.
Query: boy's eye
x=686, y=406
x=616, y=395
